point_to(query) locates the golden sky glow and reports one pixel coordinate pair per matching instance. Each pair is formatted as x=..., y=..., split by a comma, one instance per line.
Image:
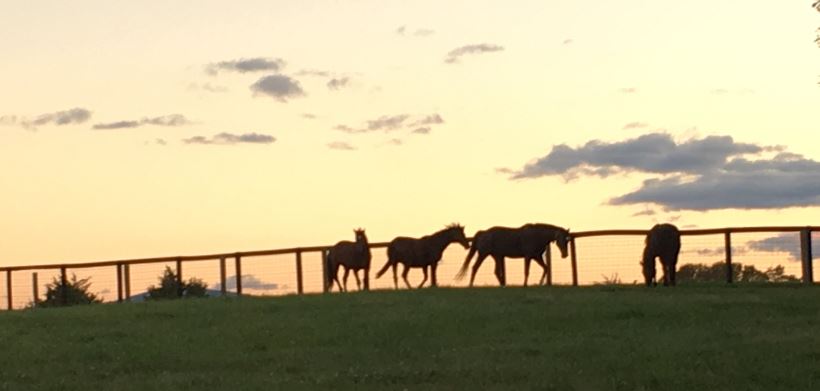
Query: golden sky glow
x=569, y=72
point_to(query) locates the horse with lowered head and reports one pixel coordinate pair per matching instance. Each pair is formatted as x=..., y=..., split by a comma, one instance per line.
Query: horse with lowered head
x=663, y=241
x=421, y=253
x=529, y=241
x=352, y=256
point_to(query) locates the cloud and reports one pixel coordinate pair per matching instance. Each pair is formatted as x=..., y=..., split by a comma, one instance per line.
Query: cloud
x=246, y=65
x=433, y=119
x=424, y=32
x=645, y=212
x=389, y=123
x=635, y=125
x=73, y=116
x=309, y=116
x=783, y=243
x=395, y=141
x=341, y=146
x=278, y=86
x=249, y=281
x=171, y=120
x=629, y=90
x=313, y=72
x=336, y=84
x=567, y=41
x=160, y=141
x=401, y=30
x=454, y=55
x=231, y=139
x=653, y=153
x=8, y=120
x=208, y=87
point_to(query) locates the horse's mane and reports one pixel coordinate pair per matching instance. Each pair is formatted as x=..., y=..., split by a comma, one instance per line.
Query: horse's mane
x=547, y=226
x=445, y=229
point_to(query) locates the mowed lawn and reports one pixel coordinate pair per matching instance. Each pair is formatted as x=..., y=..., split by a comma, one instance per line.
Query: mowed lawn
x=593, y=338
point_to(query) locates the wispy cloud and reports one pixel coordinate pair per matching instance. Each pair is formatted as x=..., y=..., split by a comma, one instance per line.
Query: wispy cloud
x=171, y=120
x=389, y=123
x=338, y=83
x=421, y=32
x=567, y=41
x=454, y=55
x=207, y=87
x=231, y=139
x=635, y=125
x=309, y=116
x=422, y=130
x=249, y=281
x=67, y=117
x=628, y=90
x=246, y=65
x=313, y=72
x=8, y=120
x=341, y=146
x=280, y=87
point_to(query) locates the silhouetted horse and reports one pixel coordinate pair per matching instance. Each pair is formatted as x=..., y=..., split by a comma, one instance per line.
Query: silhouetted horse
x=353, y=256
x=528, y=242
x=422, y=253
x=663, y=241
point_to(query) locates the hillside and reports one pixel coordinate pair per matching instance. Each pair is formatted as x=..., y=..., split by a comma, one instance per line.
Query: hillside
x=595, y=338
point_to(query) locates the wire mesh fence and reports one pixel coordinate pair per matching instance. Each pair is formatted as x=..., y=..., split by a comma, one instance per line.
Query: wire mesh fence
x=774, y=255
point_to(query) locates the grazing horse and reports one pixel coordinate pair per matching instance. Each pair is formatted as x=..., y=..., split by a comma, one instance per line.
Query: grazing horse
x=663, y=241
x=353, y=256
x=529, y=241
x=424, y=252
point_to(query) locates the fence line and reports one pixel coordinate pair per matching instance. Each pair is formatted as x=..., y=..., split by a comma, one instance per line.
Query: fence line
x=124, y=278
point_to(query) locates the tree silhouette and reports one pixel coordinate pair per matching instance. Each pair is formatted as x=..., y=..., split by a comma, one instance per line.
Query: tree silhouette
x=171, y=288
x=699, y=272
x=74, y=292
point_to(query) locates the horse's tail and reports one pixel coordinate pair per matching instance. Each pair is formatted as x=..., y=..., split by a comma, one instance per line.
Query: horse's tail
x=388, y=263
x=463, y=271
x=329, y=275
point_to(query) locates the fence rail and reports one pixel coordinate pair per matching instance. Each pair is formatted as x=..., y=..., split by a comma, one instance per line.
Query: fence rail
x=123, y=285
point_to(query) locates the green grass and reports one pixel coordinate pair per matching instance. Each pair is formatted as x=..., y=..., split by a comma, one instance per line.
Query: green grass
x=595, y=338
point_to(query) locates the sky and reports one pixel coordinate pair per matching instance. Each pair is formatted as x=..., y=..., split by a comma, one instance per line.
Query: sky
x=140, y=129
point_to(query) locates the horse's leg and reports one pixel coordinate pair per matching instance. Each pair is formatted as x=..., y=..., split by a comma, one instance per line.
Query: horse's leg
x=404, y=276
x=336, y=277
x=423, y=280
x=395, y=276
x=358, y=282
x=433, y=268
x=477, y=264
x=499, y=270
x=347, y=272
x=526, y=270
x=543, y=265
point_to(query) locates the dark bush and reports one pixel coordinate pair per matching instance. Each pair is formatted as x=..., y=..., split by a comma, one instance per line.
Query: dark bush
x=699, y=272
x=74, y=292
x=171, y=288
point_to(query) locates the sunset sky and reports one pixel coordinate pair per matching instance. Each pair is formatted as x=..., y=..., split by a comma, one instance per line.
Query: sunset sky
x=138, y=129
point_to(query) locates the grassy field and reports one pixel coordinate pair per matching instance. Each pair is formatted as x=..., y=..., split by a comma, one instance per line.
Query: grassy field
x=595, y=338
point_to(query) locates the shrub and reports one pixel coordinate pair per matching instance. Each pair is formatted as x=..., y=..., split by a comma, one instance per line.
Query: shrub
x=171, y=288
x=74, y=292
x=740, y=273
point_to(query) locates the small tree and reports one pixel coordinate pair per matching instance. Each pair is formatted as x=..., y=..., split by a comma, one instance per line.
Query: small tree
x=74, y=292
x=171, y=288
x=698, y=272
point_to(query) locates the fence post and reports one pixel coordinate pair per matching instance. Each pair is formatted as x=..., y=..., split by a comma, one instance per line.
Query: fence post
x=727, y=238
x=119, y=283
x=35, y=290
x=299, y=282
x=8, y=290
x=222, y=276
x=238, y=266
x=807, y=256
x=179, y=277
x=324, y=272
x=127, y=272
x=574, y=259
x=548, y=261
x=64, y=287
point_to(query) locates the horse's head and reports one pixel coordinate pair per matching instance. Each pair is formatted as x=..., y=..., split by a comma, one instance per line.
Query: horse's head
x=648, y=268
x=562, y=238
x=360, y=236
x=455, y=233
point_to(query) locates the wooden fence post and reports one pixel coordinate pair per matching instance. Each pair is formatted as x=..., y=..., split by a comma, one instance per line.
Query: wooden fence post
x=35, y=290
x=238, y=267
x=222, y=276
x=807, y=256
x=64, y=287
x=179, y=277
x=8, y=290
x=119, y=283
x=299, y=281
x=548, y=261
x=574, y=259
x=127, y=277
x=325, y=285
x=727, y=238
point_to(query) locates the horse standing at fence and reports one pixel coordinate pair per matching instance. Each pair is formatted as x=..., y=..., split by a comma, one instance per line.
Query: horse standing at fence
x=663, y=241
x=423, y=252
x=529, y=241
x=352, y=256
